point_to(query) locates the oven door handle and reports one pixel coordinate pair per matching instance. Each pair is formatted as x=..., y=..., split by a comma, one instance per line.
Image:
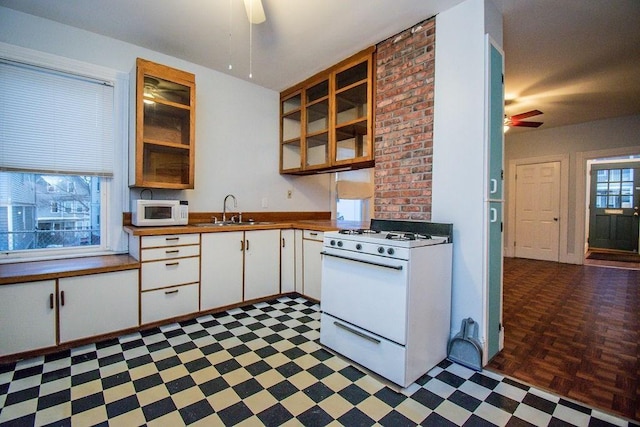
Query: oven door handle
x=358, y=333
x=395, y=267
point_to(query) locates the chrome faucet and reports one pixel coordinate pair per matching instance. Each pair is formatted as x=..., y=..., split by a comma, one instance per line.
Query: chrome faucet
x=224, y=206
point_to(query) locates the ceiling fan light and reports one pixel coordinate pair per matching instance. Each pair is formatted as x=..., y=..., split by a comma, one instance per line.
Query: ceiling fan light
x=255, y=11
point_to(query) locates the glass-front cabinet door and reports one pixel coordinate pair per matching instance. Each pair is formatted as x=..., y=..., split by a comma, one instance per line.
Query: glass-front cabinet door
x=326, y=121
x=317, y=125
x=291, y=133
x=351, y=113
x=165, y=117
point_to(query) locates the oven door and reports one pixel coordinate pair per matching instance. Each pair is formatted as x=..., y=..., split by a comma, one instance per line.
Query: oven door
x=368, y=291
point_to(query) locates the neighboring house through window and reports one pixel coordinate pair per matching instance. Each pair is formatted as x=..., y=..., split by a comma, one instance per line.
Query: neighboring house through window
x=62, y=128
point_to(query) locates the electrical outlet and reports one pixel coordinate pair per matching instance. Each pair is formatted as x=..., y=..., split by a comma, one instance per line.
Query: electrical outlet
x=289, y=193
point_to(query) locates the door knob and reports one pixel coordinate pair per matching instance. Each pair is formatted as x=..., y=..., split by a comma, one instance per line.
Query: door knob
x=555, y=219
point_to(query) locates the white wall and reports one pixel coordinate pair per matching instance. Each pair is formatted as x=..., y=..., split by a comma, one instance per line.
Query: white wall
x=580, y=142
x=459, y=151
x=237, y=124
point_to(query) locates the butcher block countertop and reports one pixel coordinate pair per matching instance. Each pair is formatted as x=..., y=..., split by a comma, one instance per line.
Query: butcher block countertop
x=315, y=225
x=20, y=272
x=31, y=271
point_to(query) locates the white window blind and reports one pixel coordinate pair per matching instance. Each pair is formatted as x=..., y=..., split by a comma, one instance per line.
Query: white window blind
x=55, y=122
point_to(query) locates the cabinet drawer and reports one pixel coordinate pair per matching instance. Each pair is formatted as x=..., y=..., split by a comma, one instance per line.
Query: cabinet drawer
x=313, y=235
x=170, y=240
x=170, y=302
x=170, y=252
x=159, y=274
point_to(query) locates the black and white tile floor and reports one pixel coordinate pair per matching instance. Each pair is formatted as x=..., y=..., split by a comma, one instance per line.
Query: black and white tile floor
x=253, y=366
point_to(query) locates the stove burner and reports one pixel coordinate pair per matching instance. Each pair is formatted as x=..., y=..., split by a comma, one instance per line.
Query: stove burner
x=370, y=231
x=406, y=236
x=358, y=231
x=348, y=231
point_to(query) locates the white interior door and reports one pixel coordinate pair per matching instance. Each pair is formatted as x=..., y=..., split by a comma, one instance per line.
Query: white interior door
x=538, y=211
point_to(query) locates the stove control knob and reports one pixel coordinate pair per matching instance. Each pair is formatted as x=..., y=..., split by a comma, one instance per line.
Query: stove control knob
x=359, y=246
x=380, y=250
x=339, y=243
x=332, y=243
x=390, y=251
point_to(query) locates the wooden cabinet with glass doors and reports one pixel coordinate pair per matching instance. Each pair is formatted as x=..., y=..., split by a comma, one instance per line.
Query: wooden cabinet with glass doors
x=165, y=127
x=327, y=120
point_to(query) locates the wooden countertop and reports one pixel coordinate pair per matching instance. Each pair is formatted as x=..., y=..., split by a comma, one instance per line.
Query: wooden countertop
x=29, y=271
x=20, y=272
x=315, y=225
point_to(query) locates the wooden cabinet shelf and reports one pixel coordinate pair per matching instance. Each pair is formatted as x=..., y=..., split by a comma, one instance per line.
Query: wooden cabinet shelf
x=327, y=120
x=163, y=142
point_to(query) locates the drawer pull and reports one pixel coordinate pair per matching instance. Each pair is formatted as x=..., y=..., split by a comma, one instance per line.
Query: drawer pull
x=51, y=301
x=169, y=239
x=358, y=333
x=171, y=264
x=313, y=234
x=175, y=291
x=175, y=251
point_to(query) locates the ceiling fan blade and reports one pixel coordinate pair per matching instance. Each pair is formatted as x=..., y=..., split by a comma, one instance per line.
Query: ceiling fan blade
x=255, y=11
x=525, y=124
x=526, y=115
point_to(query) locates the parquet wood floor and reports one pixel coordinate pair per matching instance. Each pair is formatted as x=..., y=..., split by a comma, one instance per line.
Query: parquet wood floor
x=574, y=330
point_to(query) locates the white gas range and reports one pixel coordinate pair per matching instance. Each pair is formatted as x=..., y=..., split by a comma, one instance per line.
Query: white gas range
x=386, y=296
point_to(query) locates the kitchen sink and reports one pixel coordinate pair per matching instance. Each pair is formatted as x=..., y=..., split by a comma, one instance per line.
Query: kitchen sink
x=229, y=223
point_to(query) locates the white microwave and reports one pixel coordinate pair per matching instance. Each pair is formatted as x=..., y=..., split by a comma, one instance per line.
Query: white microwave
x=150, y=213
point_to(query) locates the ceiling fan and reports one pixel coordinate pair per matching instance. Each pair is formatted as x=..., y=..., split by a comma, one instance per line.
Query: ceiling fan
x=517, y=120
x=255, y=11
x=163, y=89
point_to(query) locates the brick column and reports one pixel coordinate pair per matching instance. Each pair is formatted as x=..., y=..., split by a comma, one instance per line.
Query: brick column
x=403, y=144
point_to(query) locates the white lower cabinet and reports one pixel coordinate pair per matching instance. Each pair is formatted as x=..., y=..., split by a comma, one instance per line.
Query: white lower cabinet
x=166, y=303
x=239, y=266
x=261, y=263
x=222, y=257
x=28, y=316
x=287, y=261
x=97, y=304
x=312, y=263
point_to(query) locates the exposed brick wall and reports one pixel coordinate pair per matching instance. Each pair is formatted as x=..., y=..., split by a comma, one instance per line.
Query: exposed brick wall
x=403, y=145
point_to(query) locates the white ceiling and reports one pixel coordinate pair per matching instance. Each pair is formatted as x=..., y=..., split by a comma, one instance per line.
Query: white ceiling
x=575, y=60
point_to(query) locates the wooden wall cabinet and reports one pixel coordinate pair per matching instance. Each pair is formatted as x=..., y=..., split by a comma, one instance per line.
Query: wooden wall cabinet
x=162, y=147
x=326, y=122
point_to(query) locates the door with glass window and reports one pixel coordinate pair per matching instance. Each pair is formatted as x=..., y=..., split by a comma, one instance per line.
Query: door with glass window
x=613, y=216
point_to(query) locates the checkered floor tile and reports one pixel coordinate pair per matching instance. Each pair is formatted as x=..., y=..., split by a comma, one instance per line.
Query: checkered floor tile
x=258, y=365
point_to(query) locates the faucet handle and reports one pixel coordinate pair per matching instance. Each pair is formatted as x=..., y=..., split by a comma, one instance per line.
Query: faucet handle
x=240, y=216
x=214, y=219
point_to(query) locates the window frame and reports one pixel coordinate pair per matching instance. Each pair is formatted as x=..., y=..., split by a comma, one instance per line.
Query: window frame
x=114, y=191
